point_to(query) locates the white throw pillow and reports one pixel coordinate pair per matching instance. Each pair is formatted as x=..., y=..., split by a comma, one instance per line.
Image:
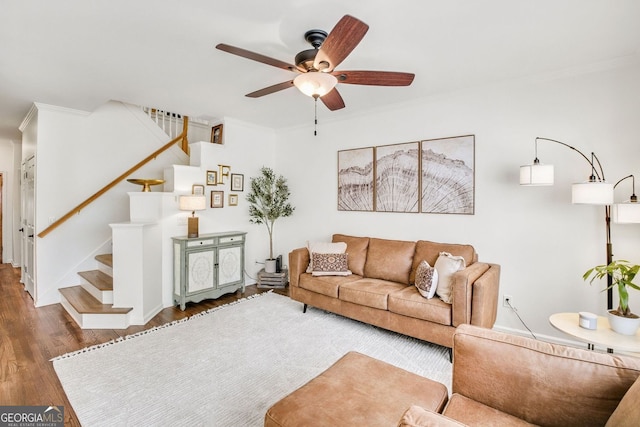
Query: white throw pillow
x=426, y=279
x=447, y=264
x=324, y=248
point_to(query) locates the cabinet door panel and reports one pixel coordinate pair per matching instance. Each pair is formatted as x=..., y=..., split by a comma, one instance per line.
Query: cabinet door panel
x=230, y=265
x=201, y=271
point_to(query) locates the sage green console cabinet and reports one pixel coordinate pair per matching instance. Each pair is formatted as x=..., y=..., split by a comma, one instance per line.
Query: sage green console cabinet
x=207, y=266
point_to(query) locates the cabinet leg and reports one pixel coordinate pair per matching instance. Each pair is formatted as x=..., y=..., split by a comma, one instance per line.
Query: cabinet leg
x=304, y=309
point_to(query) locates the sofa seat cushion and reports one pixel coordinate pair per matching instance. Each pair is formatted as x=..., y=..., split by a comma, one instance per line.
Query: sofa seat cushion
x=408, y=302
x=357, y=390
x=325, y=285
x=470, y=412
x=369, y=292
x=389, y=260
x=417, y=416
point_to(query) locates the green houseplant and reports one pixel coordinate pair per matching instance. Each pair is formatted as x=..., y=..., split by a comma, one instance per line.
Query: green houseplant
x=269, y=200
x=622, y=273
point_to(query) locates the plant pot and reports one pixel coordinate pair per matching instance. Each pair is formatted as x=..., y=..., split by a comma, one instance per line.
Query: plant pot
x=624, y=325
x=270, y=266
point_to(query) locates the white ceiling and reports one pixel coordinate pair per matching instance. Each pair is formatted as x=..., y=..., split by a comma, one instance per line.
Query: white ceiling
x=159, y=53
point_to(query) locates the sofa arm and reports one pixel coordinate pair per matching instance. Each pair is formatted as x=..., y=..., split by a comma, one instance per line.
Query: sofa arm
x=417, y=416
x=475, y=295
x=298, y=263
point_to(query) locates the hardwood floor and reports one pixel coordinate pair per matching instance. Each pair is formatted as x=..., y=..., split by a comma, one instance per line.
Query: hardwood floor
x=30, y=337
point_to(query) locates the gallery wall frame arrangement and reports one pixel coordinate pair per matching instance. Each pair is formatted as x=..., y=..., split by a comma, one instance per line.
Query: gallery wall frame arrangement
x=197, y=189
x=237, y=182
x=428, y=176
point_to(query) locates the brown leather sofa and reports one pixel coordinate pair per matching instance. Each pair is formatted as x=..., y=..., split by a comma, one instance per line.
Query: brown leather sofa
x=499, y=379
x=380, y=291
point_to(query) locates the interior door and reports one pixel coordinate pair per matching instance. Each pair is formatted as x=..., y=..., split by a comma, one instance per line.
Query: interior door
x=27, y=188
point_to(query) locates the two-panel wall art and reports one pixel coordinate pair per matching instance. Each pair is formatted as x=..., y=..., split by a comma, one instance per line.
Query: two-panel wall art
x=430, y=176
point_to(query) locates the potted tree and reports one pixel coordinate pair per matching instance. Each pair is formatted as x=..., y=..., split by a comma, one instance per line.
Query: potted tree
x=622, y=273
x=269, y=200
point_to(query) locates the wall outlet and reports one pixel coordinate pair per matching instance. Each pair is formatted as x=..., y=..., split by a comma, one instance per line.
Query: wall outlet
x=507, y=301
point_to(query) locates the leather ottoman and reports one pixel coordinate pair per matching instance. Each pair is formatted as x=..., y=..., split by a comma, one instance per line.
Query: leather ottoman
x=357, y=390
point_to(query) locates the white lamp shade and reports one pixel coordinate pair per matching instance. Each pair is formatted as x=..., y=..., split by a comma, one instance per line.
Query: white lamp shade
x=315, y=83
x=193, y=203
x=536, y=174
x=626, y=213
x=592, y=193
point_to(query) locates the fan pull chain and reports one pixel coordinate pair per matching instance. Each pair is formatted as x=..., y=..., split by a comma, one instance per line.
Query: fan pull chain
x=315, y=115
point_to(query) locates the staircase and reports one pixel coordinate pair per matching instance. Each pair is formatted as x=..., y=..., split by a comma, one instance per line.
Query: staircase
x=91, y=303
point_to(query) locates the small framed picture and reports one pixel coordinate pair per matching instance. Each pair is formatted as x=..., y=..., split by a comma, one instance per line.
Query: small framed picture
x=237, y=182
x=216, y=134
x=233, y=200
x=217, y=199
x=197, y=189
x=212, y=178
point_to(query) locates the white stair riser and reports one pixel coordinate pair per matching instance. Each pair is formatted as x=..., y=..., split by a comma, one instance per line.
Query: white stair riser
x=105, y=297
x=96, y=321
x=105, y=269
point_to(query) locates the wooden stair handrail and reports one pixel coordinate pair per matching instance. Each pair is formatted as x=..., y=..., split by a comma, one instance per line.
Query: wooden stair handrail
x=185, y=146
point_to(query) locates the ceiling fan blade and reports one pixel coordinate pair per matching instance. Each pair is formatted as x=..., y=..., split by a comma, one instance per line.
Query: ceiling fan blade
x=270, y=89
x=333, y=100
x=256, y=57
x=344, y=37
x=374, y=78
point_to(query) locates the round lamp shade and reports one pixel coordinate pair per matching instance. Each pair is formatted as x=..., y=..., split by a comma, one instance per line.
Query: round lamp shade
x=626, y=213
x=192, y=203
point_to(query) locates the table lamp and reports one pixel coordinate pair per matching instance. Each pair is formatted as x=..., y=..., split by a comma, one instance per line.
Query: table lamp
x=192, y=203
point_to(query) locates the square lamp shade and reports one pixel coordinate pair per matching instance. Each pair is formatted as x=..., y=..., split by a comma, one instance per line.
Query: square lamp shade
x=536, y=174
x=626, y=213
x=192, y=203
x=592, y=193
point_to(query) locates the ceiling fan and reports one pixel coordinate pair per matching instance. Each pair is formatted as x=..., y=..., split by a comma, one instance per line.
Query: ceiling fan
x=317, y=76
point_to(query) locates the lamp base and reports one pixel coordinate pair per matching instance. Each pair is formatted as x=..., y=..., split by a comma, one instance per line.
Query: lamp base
x=192, y=226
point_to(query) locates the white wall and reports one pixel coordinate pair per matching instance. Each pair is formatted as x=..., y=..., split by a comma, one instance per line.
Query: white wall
x=8, y=171
x=543, y=242
x=247, y=149
x=77, y=153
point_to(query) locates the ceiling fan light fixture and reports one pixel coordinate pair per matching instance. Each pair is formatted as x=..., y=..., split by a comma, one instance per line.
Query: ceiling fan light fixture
x=315, y=84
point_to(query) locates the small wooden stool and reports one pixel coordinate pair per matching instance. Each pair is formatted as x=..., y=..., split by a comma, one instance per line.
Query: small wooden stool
x=357, y=390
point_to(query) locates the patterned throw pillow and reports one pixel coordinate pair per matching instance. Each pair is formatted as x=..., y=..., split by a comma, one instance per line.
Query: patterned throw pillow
x=324, y=248
x=426, y=280
x=447, y=265
x=330, y=265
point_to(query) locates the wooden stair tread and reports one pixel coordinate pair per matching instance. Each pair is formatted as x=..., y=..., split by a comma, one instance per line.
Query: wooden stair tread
x=99, y=279
x=84, y=303
x=106, y=259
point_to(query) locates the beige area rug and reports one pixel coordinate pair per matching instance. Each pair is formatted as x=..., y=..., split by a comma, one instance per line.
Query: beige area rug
x=227, y=366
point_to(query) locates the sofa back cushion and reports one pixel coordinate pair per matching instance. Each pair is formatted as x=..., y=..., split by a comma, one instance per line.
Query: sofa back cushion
x=356, y=250
x=389, y=260
x=541, y=383
x=627, y=414
x=429, y=251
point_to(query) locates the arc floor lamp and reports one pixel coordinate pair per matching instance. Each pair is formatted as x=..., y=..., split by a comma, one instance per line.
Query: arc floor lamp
x=595, y=191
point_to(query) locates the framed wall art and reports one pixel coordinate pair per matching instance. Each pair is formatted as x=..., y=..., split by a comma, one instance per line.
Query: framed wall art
x=233, y=200
x=217, y=199
x=237, y=182
x=212, y=178
x=447, y=175
x=355, y=179
x=216, y=134
x=397, y=177
x=197, y=189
